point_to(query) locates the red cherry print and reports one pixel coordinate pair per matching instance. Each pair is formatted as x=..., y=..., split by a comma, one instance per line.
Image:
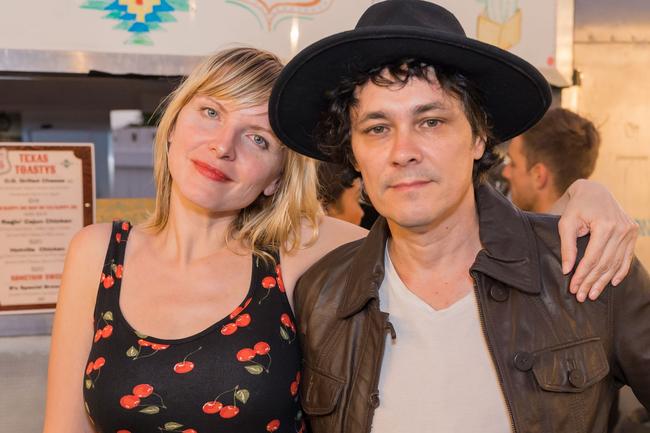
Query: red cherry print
x=129, y=401
x=278, y=271
x=285, y=320
x=268, y=282
x=103, y=277
x=229, y=329
x=229, y=412
x=183, y=367
x=118, y=237
x=143, y=343
x=99, y=363
x=107, y=331
x=189, y=430
x=273, y=425
x=125, y=226
x=98, y=335
x=89, y=369
x=118, y=271
x=108, y=282
x=245, y=354
x=248, y=301
x=293, y=388
x=212, y=407
x=262, y=348
x=143, y=390
x=123, y=431
x=243, y=320
x=236, y=312
x=156, y=346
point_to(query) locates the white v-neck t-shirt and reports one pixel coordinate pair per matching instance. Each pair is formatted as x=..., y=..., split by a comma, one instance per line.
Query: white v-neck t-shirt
x=438, y=375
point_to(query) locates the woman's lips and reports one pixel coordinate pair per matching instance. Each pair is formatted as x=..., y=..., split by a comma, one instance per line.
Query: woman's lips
x=210, y=172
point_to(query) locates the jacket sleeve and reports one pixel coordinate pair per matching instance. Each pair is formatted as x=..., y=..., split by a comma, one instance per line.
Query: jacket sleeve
x=631, y=337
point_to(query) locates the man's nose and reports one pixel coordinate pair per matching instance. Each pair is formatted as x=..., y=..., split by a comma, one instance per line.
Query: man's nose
x=405, y=148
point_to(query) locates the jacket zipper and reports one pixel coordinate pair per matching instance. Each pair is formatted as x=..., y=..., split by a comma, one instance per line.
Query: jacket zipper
x=494, y=360
x=387, y=327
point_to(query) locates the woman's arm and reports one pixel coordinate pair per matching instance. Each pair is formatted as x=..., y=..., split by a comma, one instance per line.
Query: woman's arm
x=72, y=332
x=588, y=207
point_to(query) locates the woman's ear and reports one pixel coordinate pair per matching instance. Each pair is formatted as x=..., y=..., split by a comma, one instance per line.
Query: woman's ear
x=273, y=186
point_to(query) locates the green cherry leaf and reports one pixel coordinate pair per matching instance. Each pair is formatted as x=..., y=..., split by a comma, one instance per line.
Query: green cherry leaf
x=141, y=335
x=172, y=426
x=150, y=410
x=89, y=383
x=284, y=334
x=108, y=316
x=132, y=352
x=254, y=369
x=242, y=395
x=113, y=267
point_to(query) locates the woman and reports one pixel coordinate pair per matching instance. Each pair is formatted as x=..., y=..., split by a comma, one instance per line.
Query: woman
x=180, y=336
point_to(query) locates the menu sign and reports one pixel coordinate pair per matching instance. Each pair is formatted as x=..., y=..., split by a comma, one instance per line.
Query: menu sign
x=46, y=196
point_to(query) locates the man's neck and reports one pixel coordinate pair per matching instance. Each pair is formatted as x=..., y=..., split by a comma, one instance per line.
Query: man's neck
x=434, y=262
x=548, y=202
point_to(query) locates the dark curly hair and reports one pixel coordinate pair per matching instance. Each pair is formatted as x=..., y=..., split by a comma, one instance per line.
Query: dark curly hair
x=333, y=132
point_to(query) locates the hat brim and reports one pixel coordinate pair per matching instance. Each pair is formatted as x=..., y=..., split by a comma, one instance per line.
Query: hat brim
x=515, y=94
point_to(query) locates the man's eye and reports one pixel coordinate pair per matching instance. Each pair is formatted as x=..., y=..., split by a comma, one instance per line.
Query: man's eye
x=432, y=123
x=376, y=129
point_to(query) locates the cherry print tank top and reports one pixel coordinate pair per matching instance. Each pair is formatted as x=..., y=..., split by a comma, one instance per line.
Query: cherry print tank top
x=239, y=375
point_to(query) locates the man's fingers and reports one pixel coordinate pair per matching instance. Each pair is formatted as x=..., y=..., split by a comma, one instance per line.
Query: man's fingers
x=569, y=249
x=602, y=244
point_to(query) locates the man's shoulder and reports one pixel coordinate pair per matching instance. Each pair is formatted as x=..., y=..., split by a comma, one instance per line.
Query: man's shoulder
x=333, y=265
x=547, y=235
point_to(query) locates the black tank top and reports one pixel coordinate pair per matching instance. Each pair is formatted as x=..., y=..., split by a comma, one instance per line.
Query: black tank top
x=239, y=375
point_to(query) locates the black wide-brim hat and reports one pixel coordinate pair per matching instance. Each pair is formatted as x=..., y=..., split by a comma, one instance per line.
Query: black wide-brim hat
x=515, y=94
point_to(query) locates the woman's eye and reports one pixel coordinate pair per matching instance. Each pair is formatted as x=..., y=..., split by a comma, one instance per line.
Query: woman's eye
x=260, y=141
x=211, y=112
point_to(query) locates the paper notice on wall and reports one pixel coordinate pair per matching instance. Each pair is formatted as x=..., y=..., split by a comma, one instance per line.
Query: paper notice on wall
x=45, y=198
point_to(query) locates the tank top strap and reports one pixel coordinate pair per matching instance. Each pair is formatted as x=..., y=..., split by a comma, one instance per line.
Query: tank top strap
x=268, y=268
x=110, y=278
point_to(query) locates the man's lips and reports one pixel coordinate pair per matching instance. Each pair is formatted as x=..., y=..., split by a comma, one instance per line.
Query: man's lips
x=210, y=172
x=407, y=184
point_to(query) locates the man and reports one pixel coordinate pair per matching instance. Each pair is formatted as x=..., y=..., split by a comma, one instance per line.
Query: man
x=550, y=156
x=484, y=334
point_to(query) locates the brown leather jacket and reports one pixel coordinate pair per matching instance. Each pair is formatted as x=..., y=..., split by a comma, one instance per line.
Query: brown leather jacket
x=559, y=362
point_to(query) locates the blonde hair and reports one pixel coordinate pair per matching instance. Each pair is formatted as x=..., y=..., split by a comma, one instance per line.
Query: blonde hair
x=244, y=75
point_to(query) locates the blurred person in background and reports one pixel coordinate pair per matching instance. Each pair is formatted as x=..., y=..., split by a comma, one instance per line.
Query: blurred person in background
x=340, y=192
x=545, y=160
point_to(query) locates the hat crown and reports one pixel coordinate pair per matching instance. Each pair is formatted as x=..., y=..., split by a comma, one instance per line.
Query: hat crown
x=412, y=13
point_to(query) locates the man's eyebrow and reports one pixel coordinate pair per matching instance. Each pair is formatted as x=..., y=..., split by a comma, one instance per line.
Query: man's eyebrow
x=372, y=115
x=419, y=109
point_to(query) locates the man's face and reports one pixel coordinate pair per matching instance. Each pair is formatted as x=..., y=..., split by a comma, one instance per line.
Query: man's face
x=522, y=186
x=415, y=150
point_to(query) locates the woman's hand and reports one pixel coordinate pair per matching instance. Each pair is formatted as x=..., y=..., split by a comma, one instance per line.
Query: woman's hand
x=591, y=208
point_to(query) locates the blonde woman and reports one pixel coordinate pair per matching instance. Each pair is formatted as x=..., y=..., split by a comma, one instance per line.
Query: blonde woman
x=191, y=328
x=184, y=324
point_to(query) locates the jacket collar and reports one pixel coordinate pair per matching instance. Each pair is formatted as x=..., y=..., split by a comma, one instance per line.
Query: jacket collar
x=509, y=252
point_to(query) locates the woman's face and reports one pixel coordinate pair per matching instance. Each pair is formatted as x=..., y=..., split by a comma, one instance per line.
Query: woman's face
x=223, y=156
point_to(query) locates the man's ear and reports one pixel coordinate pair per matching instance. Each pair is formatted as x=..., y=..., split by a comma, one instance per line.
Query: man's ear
x=541, y=176
x=273, y=186
x=479, y=147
